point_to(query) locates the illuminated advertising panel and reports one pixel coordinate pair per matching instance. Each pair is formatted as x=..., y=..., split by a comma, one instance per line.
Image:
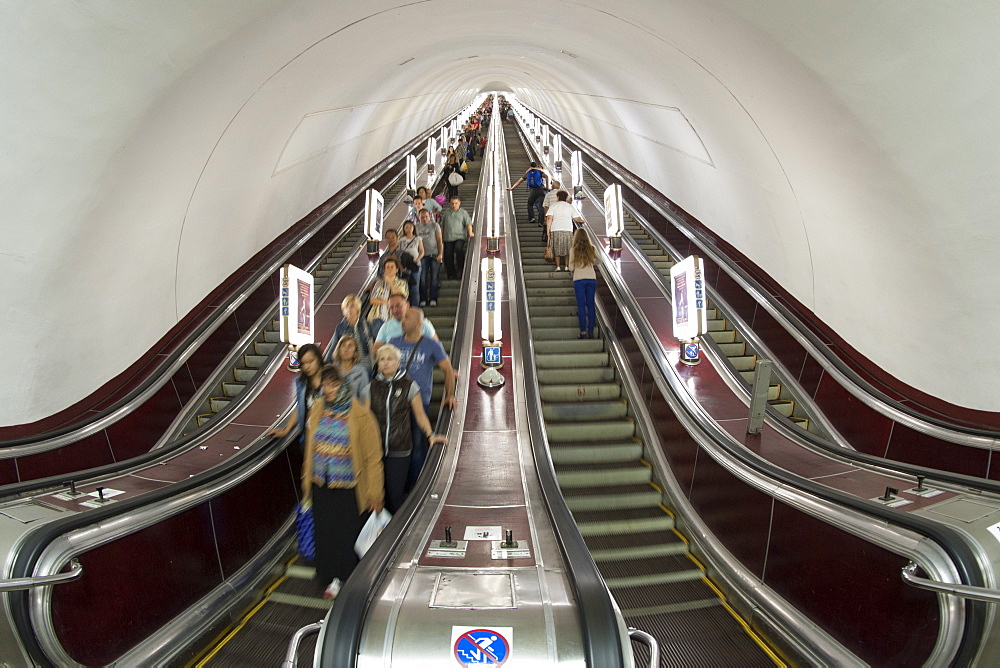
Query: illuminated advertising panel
x=296, y=310
x=687, y=283
x=374, y=209
x=614, y=217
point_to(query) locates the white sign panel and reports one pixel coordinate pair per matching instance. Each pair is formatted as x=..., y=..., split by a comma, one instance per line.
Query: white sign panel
x=483, y=533
x=491, y=282
x=411, y=172
x=374, y=213
x=687, y=284
x=614, y=213
x=296, y=306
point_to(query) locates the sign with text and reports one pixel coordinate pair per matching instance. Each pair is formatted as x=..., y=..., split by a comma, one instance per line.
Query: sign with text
x=690, y=317
x=614, y=211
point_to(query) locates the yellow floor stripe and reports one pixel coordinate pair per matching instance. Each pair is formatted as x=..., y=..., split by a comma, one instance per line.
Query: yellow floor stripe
x=722, y=599
x=746, y=627
x=243, y=622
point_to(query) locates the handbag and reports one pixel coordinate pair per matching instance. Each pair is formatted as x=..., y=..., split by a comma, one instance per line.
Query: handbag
x=370, y=531
x=455, y=179
x=306, y=530
x=549, y=257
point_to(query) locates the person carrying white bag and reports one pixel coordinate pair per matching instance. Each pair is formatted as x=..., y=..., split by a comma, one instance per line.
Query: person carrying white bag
x=342, y=475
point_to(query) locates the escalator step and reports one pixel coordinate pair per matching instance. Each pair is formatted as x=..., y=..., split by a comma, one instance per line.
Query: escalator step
x=540, y=321
x=624, y=496
x=649, y=571
x=244, y=375
x=590, y=432
x=580, y=411
x=641, y=540
x=555, y=333
x=698, y=635
x=558, y=361
x=645, y=597
x=602, y=453
x=575, y=376
x=628, y=473
x=571, y=346
x=581, y=392
x=648, y=518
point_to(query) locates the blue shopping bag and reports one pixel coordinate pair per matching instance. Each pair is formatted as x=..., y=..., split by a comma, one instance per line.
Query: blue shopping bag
x=306, y=530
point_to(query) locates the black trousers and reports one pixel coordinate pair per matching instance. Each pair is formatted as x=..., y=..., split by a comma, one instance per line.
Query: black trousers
x=337, y=525
x=396, y=471
x=454, y=258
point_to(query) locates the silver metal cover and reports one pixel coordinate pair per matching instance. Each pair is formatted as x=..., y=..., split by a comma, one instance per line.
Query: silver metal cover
x=474, y=591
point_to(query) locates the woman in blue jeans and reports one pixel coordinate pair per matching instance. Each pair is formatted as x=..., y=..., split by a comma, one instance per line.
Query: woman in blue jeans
x=582, y=258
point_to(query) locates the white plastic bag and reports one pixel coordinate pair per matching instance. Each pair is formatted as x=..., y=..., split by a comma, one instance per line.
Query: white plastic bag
x=370, y=531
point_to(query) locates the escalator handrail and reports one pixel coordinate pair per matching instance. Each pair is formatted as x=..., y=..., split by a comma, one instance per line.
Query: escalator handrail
x=953, y=542
x=595, y=607
x=851, y=380
x=814, y=440
x=165, y=502
x=161, y=372
x=340, y=640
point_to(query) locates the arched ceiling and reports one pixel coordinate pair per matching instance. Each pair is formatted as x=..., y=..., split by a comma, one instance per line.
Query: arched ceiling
x=152, y=148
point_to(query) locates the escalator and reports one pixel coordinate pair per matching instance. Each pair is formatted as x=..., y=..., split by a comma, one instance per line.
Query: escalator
x=728, y=340
x=296, y=598
x=608, y=485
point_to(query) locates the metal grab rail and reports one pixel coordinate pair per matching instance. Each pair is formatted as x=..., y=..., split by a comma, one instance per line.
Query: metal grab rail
x=292, y=655
x=963, y=591
x=650, y=641
x=18, y=584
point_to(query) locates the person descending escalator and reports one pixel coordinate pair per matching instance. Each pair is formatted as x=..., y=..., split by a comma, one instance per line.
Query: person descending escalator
x=342, y=477
x=395, y=399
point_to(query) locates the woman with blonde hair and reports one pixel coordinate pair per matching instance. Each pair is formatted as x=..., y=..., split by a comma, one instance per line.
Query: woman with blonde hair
x=389, y=284
x=582, y=258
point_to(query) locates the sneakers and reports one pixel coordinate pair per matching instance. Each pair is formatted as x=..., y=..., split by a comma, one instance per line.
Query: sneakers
x=423, y=303
x=333, y=589
x=434, y=302
x=584, y=335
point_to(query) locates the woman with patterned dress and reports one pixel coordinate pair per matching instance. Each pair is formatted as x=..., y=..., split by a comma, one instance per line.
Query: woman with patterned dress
x=341, y=476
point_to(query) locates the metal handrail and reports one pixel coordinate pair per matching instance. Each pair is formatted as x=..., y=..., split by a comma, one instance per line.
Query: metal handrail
x=964, y=591
x=650, y=641
x=19, y=584
x=292, y=655
x=853, y=382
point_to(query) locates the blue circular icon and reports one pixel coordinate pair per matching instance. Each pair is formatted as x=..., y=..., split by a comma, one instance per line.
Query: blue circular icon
x=481, y=647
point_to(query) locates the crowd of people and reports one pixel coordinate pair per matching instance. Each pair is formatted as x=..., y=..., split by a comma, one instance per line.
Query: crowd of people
x=362, y=416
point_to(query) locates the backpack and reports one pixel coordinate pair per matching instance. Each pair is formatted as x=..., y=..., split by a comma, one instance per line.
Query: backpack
x=535, y=179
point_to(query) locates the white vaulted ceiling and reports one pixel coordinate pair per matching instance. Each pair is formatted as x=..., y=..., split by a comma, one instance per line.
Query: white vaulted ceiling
x=151, y=148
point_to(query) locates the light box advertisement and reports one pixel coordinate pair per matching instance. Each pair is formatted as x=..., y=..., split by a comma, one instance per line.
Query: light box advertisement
x=690, y=317
x=374, y=207
x=296, y=306
x=614, y=213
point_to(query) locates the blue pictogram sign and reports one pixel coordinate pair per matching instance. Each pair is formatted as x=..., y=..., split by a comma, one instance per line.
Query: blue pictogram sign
x=481, y=647
x=690, y=350
x=491, y=306
x=491, y=354
x=491, y=296
x=490, y=285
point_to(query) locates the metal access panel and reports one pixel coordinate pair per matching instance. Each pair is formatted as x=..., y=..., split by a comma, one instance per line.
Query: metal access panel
x=436, y=613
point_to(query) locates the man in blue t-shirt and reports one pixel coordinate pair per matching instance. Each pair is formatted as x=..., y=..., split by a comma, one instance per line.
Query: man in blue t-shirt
x=393, y=327
x=419, y=356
